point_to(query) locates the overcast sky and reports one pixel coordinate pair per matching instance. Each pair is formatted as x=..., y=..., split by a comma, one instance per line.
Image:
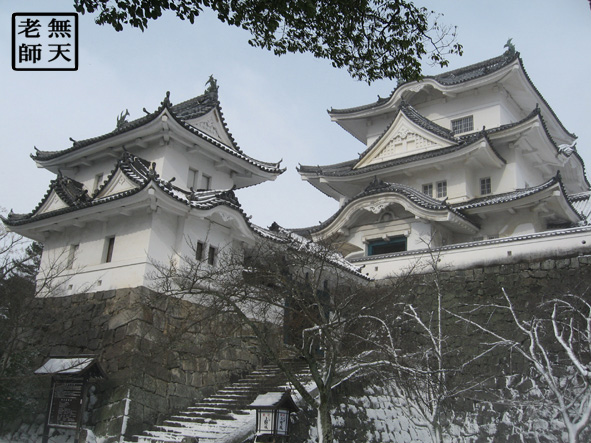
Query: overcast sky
x=274, y=106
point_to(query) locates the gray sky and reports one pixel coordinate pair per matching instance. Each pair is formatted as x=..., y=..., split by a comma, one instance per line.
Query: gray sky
x=274, y=106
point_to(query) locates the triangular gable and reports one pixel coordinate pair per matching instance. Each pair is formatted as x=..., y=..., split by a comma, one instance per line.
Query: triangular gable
x=403, y=138
x=211, y=123
x=117, y=184
x=52, y=203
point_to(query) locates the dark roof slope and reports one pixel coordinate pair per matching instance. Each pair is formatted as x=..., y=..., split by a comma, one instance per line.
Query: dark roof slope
x=449, y=78
x=141, y=172
x=380, y=187
x=462, y=75
x=295, y=241
x=347, y=168
x=181, y=112
x=415, y=117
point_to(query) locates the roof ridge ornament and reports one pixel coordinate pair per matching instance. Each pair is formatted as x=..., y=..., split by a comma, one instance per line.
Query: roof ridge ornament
x=166, y=101
x=212, y=85
x=122, y=119
x=510, y=52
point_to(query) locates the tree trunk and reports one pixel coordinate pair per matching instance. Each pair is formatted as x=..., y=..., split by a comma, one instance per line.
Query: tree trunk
x=325, y=431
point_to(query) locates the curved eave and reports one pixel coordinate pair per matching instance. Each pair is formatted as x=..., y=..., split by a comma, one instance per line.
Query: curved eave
x=547, y=110
x=345, y=117
x=552, y=157
x=480, y=149
x=551, y=193
x=420, y=205
x=225, y=153
x=407, y=90
x=142, y=131
x=152, y=195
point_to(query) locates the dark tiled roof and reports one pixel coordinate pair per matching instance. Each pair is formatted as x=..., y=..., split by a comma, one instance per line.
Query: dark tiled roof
x=192, y=108
x=126, y=127
x=346, y=168
x=427, y=202
x=475, y=70
x=381, y=187
x=516, y=195
x=417, y=119
x=462, y=75
x=449, y=78
x=141, y=173
x=298, y=242
x=70, y=191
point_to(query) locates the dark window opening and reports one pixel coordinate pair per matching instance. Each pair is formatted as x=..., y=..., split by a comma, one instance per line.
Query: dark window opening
x=109, y=249
x=199, y=249
x=211, y=256
x=394, y=244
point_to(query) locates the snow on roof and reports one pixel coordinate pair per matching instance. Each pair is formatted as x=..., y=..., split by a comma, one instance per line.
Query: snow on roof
x=66, y=365
x=268, y=399
x=275, y=400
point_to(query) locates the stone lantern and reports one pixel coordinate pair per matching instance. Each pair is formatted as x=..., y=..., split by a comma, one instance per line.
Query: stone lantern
x=273, y=410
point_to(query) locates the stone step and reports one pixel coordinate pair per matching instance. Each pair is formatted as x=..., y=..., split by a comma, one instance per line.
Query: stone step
x=218, y=417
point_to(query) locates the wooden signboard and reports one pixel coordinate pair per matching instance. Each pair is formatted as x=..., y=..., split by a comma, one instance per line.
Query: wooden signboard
x=66, y=403
x=69, y=384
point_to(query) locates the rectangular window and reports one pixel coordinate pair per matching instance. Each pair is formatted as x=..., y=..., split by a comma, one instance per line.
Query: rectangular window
x=211, y=256
x=485, y=186
x=206, y=182
x=464, y=124
x=193, y=179
x=109, y=246
x=442, y=189
x=394, y=244
x=72, y=256
x=199, y=249
x=428, y=189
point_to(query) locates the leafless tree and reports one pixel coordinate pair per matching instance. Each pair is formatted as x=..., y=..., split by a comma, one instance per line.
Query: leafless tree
x=300, y=300
x=425, y=361
x=556, y=342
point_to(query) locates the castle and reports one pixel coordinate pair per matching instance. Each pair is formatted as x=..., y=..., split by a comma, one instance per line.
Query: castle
x=472, y=164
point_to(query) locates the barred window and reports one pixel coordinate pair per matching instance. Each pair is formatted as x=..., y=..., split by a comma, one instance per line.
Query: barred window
x=464, y=124
x=485, y=186
x=428, y=189
x=442, y=189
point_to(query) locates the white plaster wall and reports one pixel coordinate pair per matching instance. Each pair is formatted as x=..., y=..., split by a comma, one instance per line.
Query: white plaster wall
x=89, y=272
x=140, y=240
x=484, y=105
x=526, y=175
x=572, y=241
x=177, y=162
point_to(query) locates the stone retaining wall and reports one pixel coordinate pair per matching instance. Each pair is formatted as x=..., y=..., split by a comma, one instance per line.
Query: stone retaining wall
x=367, y=412
x=159, y=354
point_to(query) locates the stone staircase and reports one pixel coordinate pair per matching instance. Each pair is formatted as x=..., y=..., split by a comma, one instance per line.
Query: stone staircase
x=223, y=417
